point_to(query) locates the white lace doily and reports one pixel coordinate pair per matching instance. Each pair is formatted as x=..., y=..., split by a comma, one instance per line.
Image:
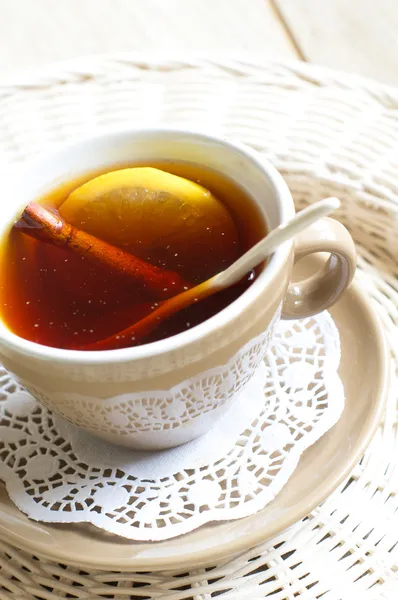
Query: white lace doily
x=55, y=472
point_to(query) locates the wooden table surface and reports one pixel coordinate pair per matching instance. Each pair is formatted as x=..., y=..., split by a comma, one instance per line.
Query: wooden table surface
x=353, y=35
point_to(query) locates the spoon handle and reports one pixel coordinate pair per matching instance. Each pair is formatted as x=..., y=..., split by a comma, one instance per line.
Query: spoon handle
x=273, y=240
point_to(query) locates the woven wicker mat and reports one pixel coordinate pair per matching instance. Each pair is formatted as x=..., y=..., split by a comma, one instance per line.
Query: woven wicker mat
x=328, y=134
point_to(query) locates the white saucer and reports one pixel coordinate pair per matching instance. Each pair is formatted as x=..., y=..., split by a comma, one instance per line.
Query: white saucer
x=364, y=372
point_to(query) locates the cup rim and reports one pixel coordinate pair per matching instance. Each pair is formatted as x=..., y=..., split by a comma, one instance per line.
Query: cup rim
x=92, y=357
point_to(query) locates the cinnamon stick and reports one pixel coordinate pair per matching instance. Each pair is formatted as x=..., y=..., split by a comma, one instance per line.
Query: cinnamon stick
x=38, y=222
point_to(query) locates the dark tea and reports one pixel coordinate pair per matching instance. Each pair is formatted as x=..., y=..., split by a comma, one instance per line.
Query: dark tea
x=54, y=295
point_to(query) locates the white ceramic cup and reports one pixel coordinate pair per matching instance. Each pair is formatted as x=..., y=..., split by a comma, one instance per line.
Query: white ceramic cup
x=168, y=392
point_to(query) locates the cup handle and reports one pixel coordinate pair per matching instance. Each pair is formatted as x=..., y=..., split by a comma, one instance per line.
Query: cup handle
x=322, y=289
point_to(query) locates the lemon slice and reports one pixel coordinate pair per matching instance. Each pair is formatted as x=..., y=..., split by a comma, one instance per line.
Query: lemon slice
x=160, y=217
